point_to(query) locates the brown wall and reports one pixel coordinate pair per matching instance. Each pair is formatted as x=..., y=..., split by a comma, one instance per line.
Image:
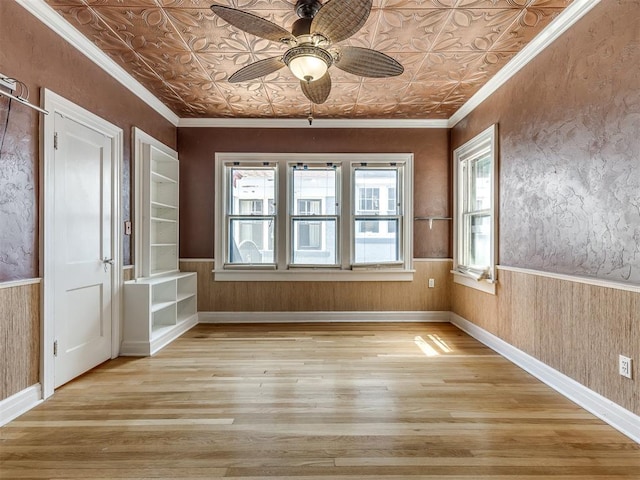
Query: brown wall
x=35, y=55
x=569, y=183
x=570, y=150
x=198, y=146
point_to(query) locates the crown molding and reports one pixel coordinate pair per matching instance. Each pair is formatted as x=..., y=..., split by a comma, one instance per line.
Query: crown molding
x=303, y=123
x=574, y=12
x=47, y=15
x=59, y=25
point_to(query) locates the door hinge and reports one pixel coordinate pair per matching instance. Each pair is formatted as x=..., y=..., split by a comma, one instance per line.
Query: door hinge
x=55, y=348
x=55, y=141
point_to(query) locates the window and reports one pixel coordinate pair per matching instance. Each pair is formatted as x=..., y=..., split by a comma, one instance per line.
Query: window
x=475, y=211
x=313, y=217
x=376, y=240
x=250, y=231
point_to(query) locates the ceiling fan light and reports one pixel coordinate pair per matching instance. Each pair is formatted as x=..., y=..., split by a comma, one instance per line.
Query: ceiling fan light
x=308, y=63
x=308, y=67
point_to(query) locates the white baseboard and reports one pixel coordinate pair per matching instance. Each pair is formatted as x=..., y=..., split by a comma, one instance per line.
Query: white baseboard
x=305, y=317
x=19, y=403
x=619, y=418
x=141, y=348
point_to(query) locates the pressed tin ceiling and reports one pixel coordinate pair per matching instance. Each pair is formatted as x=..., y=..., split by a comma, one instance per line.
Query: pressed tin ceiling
x=183, y=53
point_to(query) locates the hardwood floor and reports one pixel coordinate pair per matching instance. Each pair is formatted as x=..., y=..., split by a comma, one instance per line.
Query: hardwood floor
x=314, y=401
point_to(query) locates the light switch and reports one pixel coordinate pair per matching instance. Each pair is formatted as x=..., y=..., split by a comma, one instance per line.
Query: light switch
x=127, y=227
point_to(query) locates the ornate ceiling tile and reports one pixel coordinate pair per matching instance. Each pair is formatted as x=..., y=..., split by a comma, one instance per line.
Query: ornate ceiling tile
x=435, y=93
x=550, y=3
x=141, y=27
x=382, y=90
x=221, y=66
x=205, y=32
x=412, y=63
x=252, y=110
x=528, y=24
x=408, y=30
x=485, y=4
x=334, y=110
x=204, y=4
x=447, y=67
x=474, y=30
x=419, y=4
x=184, y=54
x=364, y=37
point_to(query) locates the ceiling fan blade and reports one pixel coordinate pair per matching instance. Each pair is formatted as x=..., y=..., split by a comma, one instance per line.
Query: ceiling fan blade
x=252, y=24
x=317, y=91
x=367, y=63
x=337, y=20
x=257, y=69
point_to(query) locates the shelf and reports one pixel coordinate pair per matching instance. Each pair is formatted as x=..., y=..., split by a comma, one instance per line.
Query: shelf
x=156, y=307
x=163, y=220
x=159, y=178
x=163, y=245
x=161, y=272
x=159, y=329
x=162, y=205
x=185, y=296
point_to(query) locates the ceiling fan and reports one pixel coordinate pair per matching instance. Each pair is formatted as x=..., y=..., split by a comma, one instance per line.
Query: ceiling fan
x=311, y=43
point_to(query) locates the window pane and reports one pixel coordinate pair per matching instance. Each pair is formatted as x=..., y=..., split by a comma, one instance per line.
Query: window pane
x=250, y=207
x=480, y=194
x=250, y=189
x=480, y=241
x=392, y=201
x=251, y=241
x=314, y=242
x=369, y=183
x=376, y=241
x=314, y=191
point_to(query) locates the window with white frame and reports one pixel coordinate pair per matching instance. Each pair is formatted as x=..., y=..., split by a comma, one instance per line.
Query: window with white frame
x=475, y=211
x=313, y=216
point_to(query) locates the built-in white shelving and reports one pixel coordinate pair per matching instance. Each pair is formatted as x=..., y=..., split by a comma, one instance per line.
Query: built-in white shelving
x=158, y=310
x=161, y=303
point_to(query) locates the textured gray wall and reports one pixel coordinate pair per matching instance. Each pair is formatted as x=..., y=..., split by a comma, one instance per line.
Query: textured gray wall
x=570, y=150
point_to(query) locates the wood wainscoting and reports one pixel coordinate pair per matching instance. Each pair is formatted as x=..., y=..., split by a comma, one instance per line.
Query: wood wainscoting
x=216, y=296
x=19, y=336
x=574, y=326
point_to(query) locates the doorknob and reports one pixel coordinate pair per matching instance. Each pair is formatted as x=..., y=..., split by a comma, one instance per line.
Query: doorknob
x=107, y=261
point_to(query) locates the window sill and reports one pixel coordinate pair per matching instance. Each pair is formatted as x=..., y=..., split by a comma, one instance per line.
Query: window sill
x=314, y=275
x=468, y=281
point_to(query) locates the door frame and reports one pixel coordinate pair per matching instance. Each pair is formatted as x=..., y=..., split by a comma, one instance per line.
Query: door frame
x=55, y=103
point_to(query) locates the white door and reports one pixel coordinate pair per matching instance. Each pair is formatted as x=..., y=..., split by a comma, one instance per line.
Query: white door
x=83, y=272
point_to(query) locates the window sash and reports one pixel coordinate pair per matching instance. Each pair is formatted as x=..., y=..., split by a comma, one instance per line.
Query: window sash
x=323, y=222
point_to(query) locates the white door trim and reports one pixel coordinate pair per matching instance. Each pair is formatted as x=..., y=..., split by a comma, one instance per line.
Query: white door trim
x=54, y=103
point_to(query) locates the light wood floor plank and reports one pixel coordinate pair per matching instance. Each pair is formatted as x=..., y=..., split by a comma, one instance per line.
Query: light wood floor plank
x=314, y=401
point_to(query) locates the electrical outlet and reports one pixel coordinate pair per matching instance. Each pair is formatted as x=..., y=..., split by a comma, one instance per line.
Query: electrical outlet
x=432, y=283
x=624, y=366
x=7, y=82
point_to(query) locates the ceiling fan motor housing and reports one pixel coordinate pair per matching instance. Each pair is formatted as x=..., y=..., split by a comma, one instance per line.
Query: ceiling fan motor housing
x=307, y=8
